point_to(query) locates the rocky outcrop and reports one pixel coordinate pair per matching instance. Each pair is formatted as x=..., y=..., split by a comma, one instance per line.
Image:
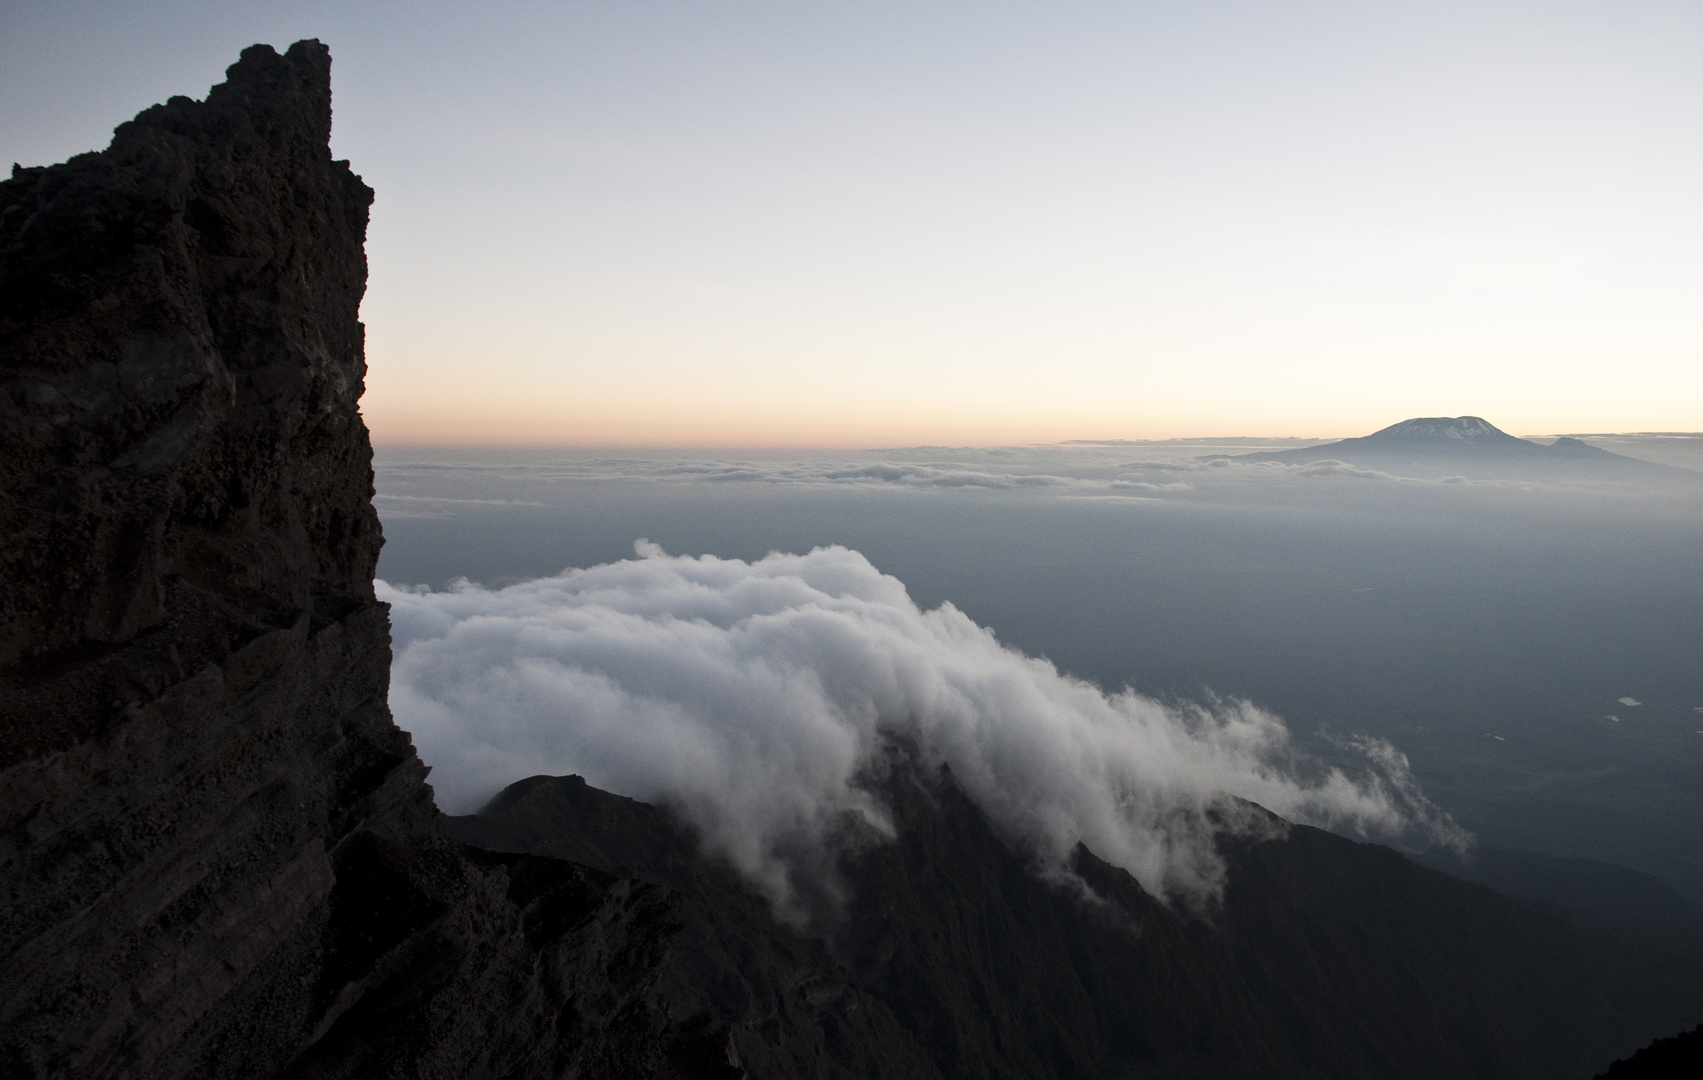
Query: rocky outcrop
x=218, y=854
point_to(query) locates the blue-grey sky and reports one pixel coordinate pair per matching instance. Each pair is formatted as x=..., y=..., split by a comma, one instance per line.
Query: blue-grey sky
x=879, y=223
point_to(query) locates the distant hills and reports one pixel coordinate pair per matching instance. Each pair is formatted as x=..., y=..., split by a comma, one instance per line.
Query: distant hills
x=1616, y=899
x=1430, y=446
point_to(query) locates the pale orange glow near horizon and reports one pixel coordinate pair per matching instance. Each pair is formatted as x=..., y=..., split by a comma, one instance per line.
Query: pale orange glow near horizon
x=658, y=400
x=682, y=427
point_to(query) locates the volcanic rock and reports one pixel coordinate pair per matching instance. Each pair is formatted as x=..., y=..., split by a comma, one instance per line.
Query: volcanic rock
x=218, y=854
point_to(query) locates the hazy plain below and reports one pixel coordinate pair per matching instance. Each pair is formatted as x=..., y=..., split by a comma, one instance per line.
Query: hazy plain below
x=1534, y=647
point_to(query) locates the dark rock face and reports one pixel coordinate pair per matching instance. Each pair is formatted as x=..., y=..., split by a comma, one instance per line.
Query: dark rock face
x=218, y=854
x=1677, y=1058
x=1326, y=958
x=789, y=1007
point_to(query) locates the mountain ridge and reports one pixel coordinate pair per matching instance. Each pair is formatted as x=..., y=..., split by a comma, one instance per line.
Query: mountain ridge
x=1473, y=429
x=1423, y=445
x=1326, y=957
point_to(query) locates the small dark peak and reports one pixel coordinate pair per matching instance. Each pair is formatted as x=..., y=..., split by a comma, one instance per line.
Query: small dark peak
x=570, y=787
x=1566, y=444
x=282, y=99
x=566, y=818
x=306, y=65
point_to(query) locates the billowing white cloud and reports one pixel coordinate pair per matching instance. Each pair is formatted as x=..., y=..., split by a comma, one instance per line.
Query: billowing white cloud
x=756, y=698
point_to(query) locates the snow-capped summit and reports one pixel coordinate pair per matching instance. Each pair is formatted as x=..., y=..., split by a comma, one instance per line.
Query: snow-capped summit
x=1470, y=446
x=1457, y=428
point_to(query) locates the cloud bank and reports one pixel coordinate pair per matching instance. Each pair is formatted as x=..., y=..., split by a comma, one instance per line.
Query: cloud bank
x=1062, y=473
x=755, y=698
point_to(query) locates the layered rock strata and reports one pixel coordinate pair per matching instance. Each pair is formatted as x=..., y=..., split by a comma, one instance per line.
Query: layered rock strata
x=217, y=852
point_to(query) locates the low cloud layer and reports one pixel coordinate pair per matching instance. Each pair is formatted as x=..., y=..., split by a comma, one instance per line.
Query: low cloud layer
x=434, y=506
x=755, y=698
x=1058, y=471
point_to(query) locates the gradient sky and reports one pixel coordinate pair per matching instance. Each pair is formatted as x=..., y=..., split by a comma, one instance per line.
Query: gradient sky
x=888, y=223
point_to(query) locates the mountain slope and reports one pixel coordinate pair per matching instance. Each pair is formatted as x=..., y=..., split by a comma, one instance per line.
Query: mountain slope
x=790, y=1007
x=1620, y=901
x=1327, y=958
x=1678, y=1057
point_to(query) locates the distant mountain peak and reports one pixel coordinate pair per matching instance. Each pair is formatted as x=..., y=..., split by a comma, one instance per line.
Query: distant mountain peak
x=1569, y=445
x=1469, y=445
x=1456, y=428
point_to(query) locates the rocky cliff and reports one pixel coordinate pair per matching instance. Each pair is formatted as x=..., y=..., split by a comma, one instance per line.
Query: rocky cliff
x=217, y=852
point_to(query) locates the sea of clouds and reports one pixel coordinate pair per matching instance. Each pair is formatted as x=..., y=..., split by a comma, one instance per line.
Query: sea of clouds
x=757, y=699
x=1066, y=473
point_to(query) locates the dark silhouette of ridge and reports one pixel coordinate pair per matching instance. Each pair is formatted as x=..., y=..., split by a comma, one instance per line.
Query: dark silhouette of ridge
x=1618, y=900
x=1678, y=1057
x=1326, y=957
